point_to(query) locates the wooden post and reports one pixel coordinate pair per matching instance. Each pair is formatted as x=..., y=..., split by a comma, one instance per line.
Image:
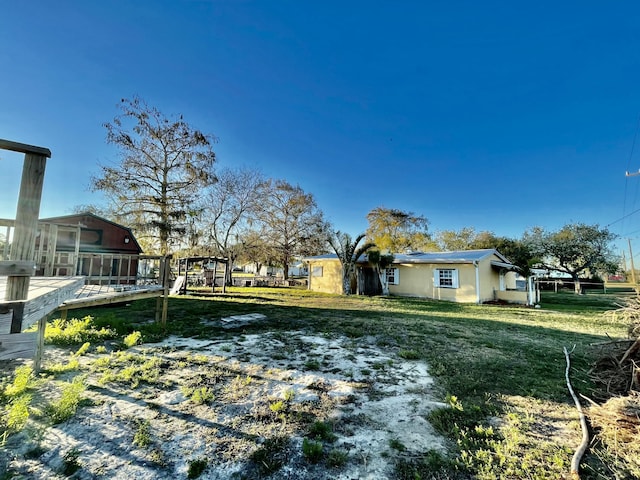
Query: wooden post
x=76, y=251
x=633, y=267
x=26, y=224
x=23, y=246
x=215, y=271
x=165, y=284
x=162, y=303
x=5, y=254
x=224, y=277
x=37, y=361
x=52, y=240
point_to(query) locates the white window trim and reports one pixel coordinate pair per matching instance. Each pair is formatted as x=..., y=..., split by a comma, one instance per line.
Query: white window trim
x=396, y=275
x=454, y=278
x=317, y=271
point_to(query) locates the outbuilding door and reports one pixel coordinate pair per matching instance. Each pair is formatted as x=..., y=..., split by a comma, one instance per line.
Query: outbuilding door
x=368, y=282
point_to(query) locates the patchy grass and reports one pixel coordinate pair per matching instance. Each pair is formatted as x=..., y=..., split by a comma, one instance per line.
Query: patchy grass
x=493, y=364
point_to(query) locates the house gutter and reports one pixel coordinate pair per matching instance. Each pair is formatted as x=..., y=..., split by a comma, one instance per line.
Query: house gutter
x=475, y=264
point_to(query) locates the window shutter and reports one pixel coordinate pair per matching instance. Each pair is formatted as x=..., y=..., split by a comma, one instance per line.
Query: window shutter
x=436, y=277
x=396, y=276
x=454, y=279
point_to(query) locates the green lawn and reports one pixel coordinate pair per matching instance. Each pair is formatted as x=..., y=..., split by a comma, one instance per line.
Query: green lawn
x=500, y=368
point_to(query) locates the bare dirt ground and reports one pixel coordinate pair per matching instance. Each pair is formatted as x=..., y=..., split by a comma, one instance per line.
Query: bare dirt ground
x=261, y=397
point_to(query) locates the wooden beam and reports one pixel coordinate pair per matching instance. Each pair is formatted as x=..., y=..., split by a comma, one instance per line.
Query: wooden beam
x=15, y=268
x=23, y=246
x=18, y=345
x=24, y=148
x=109, y=299
x=11, y=314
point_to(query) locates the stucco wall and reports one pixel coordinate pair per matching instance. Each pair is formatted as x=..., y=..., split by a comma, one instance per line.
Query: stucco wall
x=513, y=296
x=417, y=281
x=331, y=279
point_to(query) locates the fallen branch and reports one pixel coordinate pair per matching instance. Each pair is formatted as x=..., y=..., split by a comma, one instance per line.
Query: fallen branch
x=577, y=456
x=633, y=349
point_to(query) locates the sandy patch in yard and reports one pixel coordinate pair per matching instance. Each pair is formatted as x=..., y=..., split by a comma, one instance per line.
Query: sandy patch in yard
x=369, y=396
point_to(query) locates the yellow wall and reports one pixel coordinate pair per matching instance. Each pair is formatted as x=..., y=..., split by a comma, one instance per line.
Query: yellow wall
x=513, y=296
x=331, y=279
x=417, y=280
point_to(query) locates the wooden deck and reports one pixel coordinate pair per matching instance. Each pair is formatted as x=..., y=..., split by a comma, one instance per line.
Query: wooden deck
x=47, y=294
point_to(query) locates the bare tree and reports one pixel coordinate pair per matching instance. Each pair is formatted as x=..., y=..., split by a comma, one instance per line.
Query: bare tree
x=292, y=222
x=228, y=206
x=348, y=253
x=164, y=163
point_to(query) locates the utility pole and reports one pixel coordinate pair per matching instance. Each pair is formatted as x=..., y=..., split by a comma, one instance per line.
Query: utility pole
x=633, y=268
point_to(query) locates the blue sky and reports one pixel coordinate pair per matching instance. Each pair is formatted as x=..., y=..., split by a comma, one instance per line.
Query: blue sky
x=495, y=115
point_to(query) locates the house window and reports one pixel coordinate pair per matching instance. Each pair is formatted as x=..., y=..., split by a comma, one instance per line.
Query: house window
x=446, y=278
x=316, y=272
x=392, y=276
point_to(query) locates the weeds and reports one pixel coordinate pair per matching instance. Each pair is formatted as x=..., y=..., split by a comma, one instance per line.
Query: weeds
x=142, y=436
x=76, y=331
x=70, y=462
x=65, y=407
x=409, y=354
x=312, y=450
x=312, y=365
x=21, y=381
x=128, y=368
x=337, y=458
x=197, y=467
x=322, y=431
x=16, y=416
x=200, y=395
x=270, y=457
x=133, y=339
x=83, y=349
x=397, y=445
x=16, y=412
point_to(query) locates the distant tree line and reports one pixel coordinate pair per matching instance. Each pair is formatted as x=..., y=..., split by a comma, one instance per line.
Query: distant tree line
x=164, y=186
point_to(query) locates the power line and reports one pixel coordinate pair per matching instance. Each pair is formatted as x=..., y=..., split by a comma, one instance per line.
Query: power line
x=626, y=181
x=622, y=218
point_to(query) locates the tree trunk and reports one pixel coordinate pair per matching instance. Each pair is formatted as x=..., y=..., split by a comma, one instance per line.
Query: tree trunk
x=346, y=283
x=382, y=276
x=577, y=287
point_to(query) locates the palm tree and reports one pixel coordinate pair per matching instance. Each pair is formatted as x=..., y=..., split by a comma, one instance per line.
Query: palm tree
x=348, y=253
